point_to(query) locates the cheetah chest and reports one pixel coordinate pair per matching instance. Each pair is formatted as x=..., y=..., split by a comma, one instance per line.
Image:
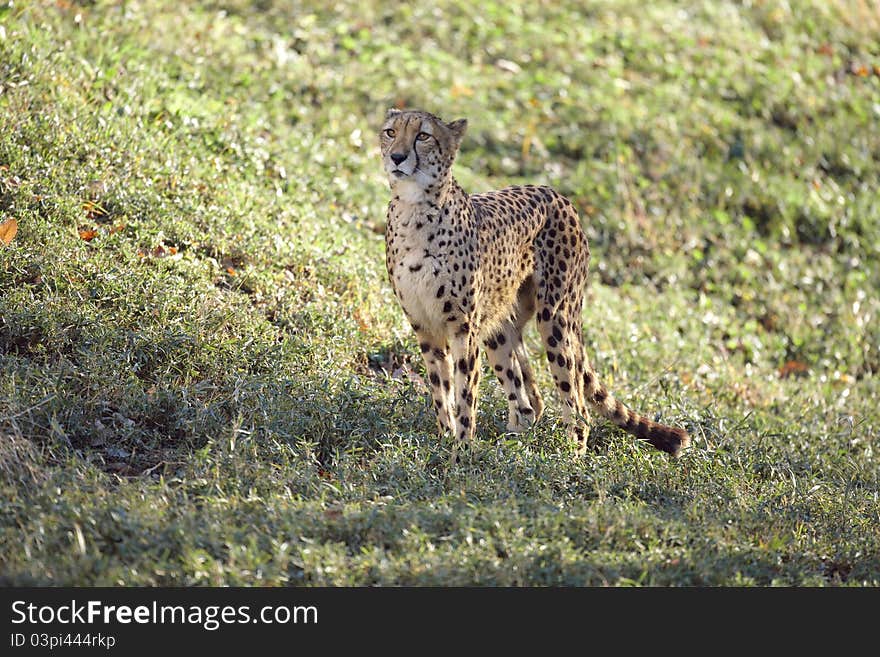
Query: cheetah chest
x=418, y=282
x=417, y=265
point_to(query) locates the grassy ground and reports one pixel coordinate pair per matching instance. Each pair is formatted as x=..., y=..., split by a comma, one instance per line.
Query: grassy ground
x=204, y=376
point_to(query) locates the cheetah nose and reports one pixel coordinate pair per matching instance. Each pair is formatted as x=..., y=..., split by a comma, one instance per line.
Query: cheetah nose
x=397, y=158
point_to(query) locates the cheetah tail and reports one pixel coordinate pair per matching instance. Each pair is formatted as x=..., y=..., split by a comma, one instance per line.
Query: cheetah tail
x=668, y=439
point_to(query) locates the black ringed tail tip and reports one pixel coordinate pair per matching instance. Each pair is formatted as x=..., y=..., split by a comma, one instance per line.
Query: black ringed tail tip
x=669, y=439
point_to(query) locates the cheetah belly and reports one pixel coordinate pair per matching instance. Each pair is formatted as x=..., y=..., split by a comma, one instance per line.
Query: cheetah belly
x=417, y=291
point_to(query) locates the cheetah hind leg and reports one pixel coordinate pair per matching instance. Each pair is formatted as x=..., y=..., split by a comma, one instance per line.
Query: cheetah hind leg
x=529, y=381
x=526, y=303
x=560, y=332
x=503, y=351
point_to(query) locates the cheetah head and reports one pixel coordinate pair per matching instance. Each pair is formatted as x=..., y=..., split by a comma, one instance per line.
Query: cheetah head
x=418, y=148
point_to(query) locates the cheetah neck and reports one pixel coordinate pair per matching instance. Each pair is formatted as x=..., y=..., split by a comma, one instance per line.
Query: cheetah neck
x=413, y=207
x=423, y=230
x=412, y=193
x=409, y=192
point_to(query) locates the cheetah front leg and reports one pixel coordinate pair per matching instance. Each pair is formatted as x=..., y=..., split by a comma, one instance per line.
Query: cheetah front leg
x=439, y=367
x=466, y=361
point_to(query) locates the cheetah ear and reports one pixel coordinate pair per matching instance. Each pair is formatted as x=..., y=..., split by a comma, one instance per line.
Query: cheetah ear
x=392, y=111
x=458, y=128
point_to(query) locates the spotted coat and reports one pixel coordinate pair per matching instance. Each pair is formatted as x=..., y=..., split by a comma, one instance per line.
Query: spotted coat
x=472, y=270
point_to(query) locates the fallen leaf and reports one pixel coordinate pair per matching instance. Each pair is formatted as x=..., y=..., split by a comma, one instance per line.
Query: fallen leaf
x=826, y=49
x=793, y=368
x=859, y=70
x=769, y=321
x=362, y=319
x=228, y=265
x=87, y=234
x=8, y=229
x=93, y=210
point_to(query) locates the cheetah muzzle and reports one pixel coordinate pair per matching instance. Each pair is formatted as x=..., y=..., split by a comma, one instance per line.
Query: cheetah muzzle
x=472, y=270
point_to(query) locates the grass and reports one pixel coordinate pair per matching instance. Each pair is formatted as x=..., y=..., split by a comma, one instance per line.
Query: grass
x=205, y=378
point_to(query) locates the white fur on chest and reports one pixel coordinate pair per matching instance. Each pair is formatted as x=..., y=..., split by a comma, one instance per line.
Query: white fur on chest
x=417, y=275
x=418, y=295
x=410, y=192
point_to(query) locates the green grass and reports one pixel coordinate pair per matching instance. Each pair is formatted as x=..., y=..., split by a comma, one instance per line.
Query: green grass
x=219, y=387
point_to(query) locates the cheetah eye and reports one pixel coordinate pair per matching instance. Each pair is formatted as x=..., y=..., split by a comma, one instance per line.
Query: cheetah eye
x=422, y=136
x=389, y=133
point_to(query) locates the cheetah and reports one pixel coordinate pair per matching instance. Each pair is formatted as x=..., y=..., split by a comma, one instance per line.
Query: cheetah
x=471, y=270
